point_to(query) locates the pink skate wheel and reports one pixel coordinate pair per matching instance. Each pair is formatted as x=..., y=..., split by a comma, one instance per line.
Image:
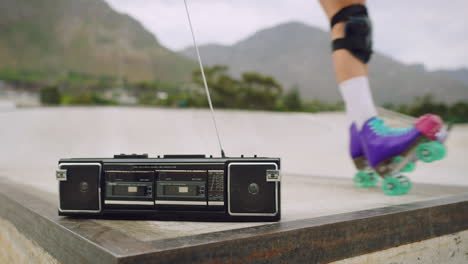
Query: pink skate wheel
x=429, y=125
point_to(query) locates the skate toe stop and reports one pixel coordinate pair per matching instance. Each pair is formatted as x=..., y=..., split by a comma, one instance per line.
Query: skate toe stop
x=429, y=125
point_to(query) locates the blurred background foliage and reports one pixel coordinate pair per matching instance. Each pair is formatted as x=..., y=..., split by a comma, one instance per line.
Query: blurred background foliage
x=453, y=113
x=251, y=90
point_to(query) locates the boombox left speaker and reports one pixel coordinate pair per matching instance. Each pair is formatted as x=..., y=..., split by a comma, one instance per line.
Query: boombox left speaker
x=79, y=187
x=253, y=189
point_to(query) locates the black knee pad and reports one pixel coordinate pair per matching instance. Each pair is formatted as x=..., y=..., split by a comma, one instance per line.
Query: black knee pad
x=358, y=32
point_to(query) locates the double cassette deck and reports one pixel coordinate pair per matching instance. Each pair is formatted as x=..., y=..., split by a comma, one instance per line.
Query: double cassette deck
x=171, y=187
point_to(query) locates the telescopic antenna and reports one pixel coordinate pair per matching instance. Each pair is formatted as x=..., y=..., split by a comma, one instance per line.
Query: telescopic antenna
x=205, y=83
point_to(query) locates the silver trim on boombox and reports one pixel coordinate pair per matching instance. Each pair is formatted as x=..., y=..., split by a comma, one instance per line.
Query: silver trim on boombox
x=120, y=171
x=99, y=188
x=167, y=163
x=215, y=203
x=229, y=193
x=128, y=202
x=166, y=202
x=181, y=170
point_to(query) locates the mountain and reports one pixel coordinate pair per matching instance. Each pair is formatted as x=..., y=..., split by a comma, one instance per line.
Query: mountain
x=83, y=36
x=458, y=74
x=299, y=55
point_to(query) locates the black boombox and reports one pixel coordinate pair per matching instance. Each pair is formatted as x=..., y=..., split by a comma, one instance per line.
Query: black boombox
x=171, y=188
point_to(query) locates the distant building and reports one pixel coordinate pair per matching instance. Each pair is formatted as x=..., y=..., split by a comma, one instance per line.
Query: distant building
x=121, y=96
x=127, y=99
x=11, y=97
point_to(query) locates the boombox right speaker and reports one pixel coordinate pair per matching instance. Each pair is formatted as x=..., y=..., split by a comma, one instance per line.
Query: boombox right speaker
x=253, y=189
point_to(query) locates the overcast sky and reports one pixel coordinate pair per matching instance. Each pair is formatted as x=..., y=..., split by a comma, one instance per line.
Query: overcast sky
x=431, y=32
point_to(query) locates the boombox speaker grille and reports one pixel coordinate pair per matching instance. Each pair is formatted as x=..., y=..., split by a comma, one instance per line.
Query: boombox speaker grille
x=80, y=190
x=249, y=192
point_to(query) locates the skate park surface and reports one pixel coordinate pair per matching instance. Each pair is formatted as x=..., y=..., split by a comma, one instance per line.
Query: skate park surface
x=317, y=190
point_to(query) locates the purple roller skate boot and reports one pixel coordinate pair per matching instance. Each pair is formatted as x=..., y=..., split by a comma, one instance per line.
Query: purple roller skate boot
x=355, y=148
x=389, y=152
x=365, y=177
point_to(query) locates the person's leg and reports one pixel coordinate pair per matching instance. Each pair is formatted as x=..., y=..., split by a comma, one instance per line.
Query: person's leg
x=371, y=141
x=346, y=65
x=351, y=73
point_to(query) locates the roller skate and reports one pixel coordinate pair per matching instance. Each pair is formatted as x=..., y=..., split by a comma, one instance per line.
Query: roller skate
x=378, y=150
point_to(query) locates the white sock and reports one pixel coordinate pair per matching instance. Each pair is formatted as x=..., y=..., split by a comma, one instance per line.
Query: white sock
x=357, y=96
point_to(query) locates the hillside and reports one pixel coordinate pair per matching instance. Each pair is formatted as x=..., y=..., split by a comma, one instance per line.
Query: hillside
x=83, y=36
x=457, y=74
x=298, y=54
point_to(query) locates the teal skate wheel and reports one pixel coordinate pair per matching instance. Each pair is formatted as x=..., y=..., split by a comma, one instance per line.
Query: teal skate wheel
x=427, y=152
x=410, y=167
x=360, y=179
x=405, y=184
x=391, y=186
x=441, y=151
x=372, y=179
x=365, y=179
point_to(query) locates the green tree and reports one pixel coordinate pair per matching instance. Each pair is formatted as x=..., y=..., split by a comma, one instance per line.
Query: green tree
x=426, y=105
x=50, y=95
x=458, y=113
x=146, y=92
x=260, y=91
x=252, y=91
x=292, y=100
x=223, y=88
x=455, y=113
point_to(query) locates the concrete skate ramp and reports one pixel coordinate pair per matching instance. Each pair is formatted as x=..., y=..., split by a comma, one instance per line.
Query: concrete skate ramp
x=325, y=218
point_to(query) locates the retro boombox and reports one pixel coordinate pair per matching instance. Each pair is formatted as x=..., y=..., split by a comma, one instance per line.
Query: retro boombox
x=172, y=187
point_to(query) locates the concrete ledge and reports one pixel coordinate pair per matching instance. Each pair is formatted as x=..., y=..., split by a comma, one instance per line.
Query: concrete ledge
x=447, y=249
x=16, y=248
x=317, y=239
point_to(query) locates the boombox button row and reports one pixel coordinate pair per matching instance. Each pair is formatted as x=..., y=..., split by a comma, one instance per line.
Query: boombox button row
x=255, y=156
x=131, y=156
